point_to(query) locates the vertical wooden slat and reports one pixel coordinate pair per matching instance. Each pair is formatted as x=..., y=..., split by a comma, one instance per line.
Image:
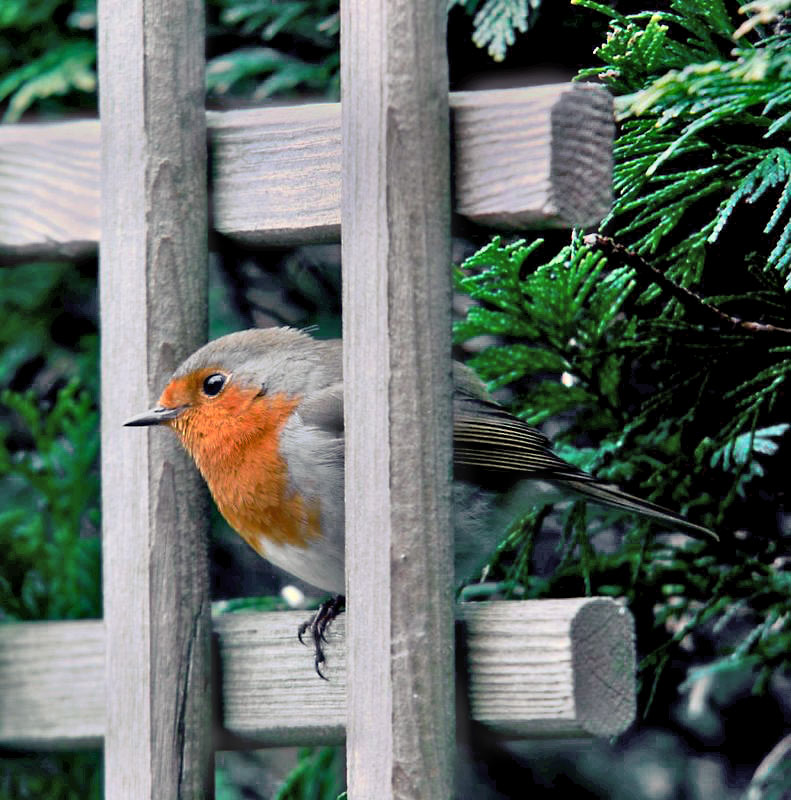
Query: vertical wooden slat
x=395, y=227
x=153, y=313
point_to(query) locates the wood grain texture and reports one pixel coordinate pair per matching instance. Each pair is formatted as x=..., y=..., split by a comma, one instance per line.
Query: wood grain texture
x=552, y=667
x=52, y=688
x=49, y=188
x=527, y=157
x=534, y=157
x=537, y=668
x=397, y=390
x=277, y=173
x=153, y=313
x=271, y=694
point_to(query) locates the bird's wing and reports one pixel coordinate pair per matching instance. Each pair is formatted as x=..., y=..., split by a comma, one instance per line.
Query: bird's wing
x=490, y=444
x=488, y=439
x=324, y=410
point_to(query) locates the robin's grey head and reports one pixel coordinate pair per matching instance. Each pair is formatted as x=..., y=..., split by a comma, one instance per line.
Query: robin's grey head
x=281, y=360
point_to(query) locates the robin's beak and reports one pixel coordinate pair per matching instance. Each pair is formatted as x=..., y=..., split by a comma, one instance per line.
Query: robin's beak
x=155, y=416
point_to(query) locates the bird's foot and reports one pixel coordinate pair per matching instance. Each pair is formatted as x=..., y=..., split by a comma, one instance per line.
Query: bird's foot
x=317, y=626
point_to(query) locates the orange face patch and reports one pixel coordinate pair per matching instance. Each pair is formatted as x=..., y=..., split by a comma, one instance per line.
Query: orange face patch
x=186, y=390
x=235, y=441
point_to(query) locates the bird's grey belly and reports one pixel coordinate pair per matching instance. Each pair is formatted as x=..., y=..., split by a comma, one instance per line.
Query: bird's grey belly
x=319, y=564
x=481, y=518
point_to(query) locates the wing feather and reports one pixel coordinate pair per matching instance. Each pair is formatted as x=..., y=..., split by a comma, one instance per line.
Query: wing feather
x=492, y=447
x=495, y=445
x=487, y=437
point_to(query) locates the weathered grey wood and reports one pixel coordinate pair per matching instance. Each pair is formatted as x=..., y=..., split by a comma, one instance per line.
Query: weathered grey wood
x=552, y=667
x=537, y=668
x=153, y=313
x=277, y=173
x=270, y=691
x=397, y=390
x=524, y=157
x=49, y=189
x=52, y=689
x=550, y=163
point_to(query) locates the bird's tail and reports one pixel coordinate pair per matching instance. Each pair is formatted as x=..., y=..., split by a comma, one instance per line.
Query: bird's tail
x=610, y=495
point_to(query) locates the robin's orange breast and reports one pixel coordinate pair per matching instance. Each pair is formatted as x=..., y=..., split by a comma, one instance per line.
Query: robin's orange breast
x=234, y=440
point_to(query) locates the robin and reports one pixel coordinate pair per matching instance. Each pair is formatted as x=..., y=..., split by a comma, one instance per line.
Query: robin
x=261, y=413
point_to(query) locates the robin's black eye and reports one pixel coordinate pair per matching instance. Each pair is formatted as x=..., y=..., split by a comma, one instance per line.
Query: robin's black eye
x=212, y=386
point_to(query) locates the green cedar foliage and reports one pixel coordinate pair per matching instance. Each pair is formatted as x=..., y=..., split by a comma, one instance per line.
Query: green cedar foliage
x=49, y=526
x=49, y=485
x=318, y=775
x=49, y=440
x=47, y=55
x=671, y=384
x=50, y=519
x=256, y=49
x=496, y=22
x=51, y=776
x=262, y=67
x=268, y=37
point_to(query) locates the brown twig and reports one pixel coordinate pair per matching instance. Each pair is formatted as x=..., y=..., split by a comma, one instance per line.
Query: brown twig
x=692, y=302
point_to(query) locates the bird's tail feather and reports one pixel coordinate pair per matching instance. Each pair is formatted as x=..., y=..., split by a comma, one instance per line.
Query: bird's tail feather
x=615, y=497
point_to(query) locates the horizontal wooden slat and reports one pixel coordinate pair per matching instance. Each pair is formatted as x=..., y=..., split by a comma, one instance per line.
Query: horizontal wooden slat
x=277, y=173
x=49, y=189
x=534, y=157
x=52, y=684
x=270, y=691
x=539, y=156
x=537, y=668
x=551, y=667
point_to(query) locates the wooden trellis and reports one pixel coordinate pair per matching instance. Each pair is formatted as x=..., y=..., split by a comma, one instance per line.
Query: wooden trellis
x=139, y=681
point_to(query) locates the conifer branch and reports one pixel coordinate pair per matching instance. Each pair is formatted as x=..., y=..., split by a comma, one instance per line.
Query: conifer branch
x=692, y=302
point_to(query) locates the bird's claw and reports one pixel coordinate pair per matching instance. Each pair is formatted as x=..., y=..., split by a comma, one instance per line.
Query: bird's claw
x=317, y=625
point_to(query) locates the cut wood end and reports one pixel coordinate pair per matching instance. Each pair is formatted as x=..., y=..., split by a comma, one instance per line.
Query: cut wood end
x=603, y=664
x=581, y=165
x=549, y=164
